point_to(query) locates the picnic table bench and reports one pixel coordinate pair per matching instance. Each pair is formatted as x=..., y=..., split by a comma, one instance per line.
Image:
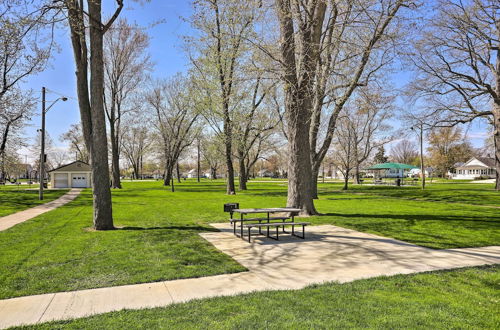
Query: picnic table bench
x=277, y=225
x=267, y=221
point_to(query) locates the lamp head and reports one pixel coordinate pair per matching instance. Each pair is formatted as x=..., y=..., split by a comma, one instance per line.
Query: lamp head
x=64, y=98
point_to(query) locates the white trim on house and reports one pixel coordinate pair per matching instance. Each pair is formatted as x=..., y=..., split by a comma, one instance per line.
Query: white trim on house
x=475, y=168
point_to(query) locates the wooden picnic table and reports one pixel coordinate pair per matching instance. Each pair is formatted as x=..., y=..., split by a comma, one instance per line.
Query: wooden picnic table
x=268, y=218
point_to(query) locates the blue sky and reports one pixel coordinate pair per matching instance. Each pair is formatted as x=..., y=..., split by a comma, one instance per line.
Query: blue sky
x=165, y=50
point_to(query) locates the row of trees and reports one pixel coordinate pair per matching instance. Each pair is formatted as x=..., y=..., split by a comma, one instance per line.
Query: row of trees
x=311, y=73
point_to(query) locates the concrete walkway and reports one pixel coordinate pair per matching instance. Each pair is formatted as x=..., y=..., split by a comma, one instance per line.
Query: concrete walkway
x=329, y=253
x=13, y=219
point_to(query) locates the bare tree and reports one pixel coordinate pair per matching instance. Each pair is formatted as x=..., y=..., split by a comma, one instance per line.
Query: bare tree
x=405, y=151
x=136, y=140
x=90, y=89
x=212, y=150
x=344, y=149
x=15, y=110
x=74, y=137
x=458, y=64
x=254, y=124
x=174, y=111
x=25, y=40
x=362, y=130
x=373, y=108
x=25, y=45
x=125, y=64
x=224, y=26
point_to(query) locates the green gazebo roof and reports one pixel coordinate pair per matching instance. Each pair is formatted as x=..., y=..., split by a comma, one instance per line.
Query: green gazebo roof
x=388, y=166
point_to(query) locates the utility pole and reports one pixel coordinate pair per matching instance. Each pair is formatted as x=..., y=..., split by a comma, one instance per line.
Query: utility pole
x=42, y=148
x=422, y=167
x=420, y=126
x=42, y=140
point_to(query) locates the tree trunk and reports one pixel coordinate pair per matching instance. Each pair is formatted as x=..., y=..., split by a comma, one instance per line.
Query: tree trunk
x=230, y=169
x=299, y=163
x=167, y=178
x=213, y=172
x=178, y=172
x=243, y=174
x=314, y=182
x=496, y=142
x=298, y=108
x=356, y=172
x=346, y=180
x=115, y=160
x=103, y=215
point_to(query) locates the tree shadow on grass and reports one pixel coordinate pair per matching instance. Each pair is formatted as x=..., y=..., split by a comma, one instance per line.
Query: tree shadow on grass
x=423, y=217
x=189, y=228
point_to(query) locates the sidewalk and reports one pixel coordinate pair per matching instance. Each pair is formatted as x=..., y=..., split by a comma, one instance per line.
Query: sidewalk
x=13, y=219
x=329, y=253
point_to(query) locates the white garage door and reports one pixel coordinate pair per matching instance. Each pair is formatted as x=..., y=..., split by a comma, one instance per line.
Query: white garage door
x=79, y=180
x=61, y=180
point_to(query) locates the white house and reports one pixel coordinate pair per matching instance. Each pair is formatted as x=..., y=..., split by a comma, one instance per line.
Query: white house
x=415, y=172
x=73, y=175
x=476, y=167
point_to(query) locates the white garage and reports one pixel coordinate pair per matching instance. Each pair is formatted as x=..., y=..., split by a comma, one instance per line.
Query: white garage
x=74, y=175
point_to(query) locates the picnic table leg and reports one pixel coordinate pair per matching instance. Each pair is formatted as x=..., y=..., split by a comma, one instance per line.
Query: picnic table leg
x=260, y=228
x=241, y=225
x=267, y=222
x=293, y=229
x=277, y=231
x=249, y=233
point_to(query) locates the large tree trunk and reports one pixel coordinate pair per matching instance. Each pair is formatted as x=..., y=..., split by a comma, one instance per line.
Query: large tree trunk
x=314, y=181
x=496, y=140
x=229, y=164
x=103, y=216
x=299, y=163
x=115, y=160
x=297, y=79
x=213, y=173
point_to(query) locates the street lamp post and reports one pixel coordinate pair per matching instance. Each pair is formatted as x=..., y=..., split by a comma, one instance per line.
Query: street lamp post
x=420, y=126
x=42, y=141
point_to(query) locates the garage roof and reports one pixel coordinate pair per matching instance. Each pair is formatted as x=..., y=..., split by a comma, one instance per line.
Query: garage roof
x=76, y=166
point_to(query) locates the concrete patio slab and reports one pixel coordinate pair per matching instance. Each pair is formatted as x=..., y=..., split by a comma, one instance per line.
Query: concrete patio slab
x=328, y=253
x=16, y=218
x=331, y=253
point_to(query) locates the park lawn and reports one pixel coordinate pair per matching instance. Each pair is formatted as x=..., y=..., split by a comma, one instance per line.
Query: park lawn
x=451, y=192
x=458, y=299
x=430, y=224
x=57, y=251
x=14, y=199
x=158, y=232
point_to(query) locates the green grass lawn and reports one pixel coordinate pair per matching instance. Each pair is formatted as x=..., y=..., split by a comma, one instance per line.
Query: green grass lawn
x=458, y=299
x=14, y=199
x=452, y=192
x=158, y=236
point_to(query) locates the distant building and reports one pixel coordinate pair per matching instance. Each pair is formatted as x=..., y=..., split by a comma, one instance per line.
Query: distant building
x=73, y=175
x=476, y=167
